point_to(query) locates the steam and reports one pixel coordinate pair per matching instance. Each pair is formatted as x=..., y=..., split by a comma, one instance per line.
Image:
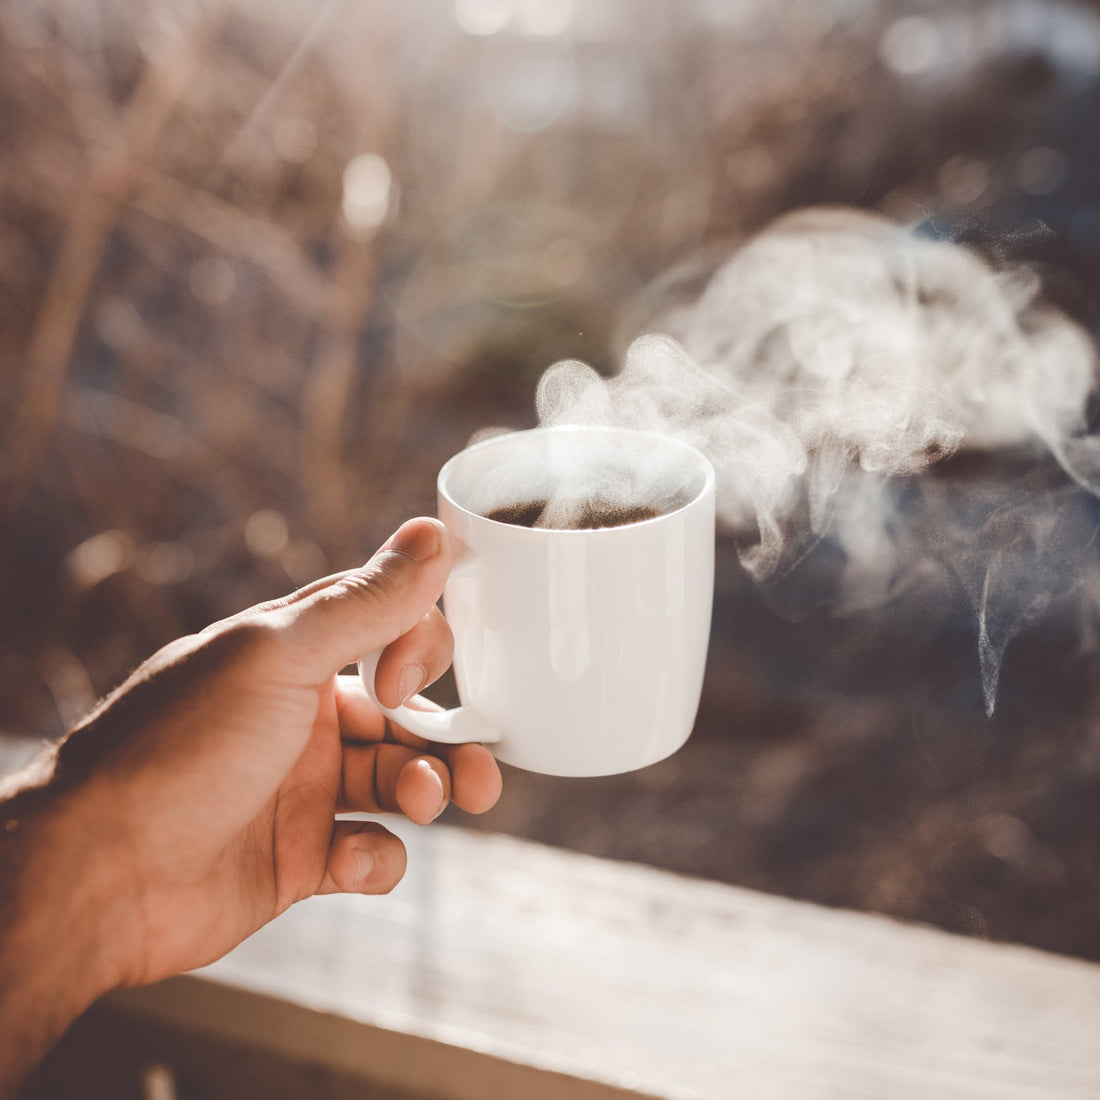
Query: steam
x=835, y=357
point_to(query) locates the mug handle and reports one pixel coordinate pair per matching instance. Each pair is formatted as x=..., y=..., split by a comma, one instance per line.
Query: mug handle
x=457, y=726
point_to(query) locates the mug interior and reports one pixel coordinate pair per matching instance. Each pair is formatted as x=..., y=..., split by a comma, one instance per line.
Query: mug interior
x=620, y=468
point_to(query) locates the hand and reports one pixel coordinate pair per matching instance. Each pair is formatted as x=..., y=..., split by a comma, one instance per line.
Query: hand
x=198, y=801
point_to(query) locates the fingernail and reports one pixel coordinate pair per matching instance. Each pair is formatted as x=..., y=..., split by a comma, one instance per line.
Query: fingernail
x=364, y=864
x=424, y=762
x=410, y=681
x=417, y=540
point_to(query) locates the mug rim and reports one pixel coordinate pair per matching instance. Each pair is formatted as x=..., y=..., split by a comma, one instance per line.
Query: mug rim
x=448, y=468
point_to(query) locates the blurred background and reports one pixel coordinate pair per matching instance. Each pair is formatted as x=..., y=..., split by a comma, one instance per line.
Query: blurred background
x=265, y=264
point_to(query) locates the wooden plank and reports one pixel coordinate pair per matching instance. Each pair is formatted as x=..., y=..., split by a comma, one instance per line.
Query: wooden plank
x=110, y=1054
x=383, y=1059
x=498, y=962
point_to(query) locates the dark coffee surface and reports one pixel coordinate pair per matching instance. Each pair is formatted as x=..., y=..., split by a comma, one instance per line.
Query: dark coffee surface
x=587, y=516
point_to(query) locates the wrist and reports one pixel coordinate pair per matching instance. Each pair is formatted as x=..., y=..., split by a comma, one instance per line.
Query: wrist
x=59, y=906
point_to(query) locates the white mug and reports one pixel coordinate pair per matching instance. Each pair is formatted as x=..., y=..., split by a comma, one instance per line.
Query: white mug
x=577, y=652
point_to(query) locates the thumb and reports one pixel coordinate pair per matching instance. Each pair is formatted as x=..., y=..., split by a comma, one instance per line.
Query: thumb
x=367, y=608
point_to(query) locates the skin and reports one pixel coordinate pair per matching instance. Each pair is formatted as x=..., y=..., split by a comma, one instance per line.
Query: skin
x=197, y=802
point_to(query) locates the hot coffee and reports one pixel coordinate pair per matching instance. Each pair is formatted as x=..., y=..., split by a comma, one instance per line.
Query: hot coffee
x=577, y=652
x=576, y=516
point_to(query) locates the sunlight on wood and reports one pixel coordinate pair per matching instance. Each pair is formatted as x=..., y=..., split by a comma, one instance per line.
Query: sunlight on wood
x=496, y=954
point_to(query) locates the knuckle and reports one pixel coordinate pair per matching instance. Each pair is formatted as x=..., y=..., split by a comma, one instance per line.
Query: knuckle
x=380, y=581
x=246, y=641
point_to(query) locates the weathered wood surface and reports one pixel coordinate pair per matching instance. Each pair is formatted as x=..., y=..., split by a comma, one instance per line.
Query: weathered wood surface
x=497, y=957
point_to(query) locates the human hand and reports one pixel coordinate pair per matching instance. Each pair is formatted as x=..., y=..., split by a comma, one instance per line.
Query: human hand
x=198, y=801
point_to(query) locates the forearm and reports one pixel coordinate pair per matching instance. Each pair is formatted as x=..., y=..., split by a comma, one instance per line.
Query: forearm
x=52, y=922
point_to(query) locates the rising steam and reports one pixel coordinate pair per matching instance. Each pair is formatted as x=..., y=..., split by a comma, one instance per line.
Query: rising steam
x=835, y=356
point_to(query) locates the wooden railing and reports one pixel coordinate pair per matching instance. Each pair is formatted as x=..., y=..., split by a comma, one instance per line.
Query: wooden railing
x=503, y=970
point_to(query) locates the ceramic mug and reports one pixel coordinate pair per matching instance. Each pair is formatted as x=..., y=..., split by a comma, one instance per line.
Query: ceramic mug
x=578, y=652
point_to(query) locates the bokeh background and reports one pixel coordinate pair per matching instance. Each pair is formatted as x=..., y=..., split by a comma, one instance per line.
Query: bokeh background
x=265, y=264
